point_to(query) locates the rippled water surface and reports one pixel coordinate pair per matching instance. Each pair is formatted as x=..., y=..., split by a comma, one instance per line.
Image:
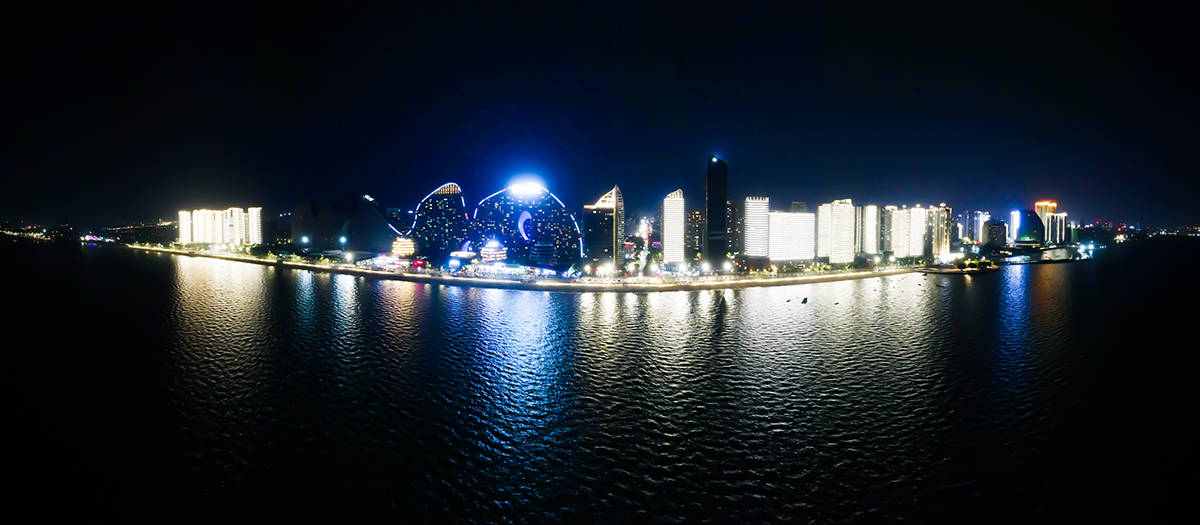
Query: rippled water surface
x=164, y=383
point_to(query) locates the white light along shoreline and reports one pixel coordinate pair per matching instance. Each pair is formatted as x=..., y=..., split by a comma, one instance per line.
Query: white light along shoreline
x=552, y=286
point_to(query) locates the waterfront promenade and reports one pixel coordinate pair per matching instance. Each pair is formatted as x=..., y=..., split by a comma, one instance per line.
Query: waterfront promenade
x=546, y=284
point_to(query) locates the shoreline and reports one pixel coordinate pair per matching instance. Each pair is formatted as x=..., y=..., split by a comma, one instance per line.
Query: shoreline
x=543, y=286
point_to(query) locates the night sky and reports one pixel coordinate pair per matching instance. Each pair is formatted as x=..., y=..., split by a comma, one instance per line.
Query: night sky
x=122, y=114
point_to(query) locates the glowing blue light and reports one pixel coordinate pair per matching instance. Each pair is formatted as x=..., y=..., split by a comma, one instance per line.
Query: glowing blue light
x=714, y=159
x=304, y=239
x=342, y=239
x=455, y=263
x=525, y=216
x=493, y=243
x=527, y=189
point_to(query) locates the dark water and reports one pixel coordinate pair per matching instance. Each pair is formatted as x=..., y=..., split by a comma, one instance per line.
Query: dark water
x=153, y=387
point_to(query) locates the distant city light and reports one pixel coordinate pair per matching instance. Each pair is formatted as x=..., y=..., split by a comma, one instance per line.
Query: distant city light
x=303, y=239
x=342, y=240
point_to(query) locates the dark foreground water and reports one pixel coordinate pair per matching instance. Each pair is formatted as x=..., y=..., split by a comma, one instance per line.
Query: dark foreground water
x=155, y=387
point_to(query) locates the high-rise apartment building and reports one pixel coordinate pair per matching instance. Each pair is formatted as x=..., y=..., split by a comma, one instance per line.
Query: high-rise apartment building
x=867, y=229
x=604, y=228
x=673, y=227
x=185, y=227
x=835, y=238
x=756, y=224
x=792, y=236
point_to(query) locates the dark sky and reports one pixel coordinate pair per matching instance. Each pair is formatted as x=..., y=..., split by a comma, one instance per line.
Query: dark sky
x=132, y=113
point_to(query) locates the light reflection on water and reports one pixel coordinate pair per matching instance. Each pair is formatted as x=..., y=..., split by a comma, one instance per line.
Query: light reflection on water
x=479, y=401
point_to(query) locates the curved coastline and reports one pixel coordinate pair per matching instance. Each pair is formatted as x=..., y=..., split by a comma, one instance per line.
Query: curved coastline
x=544, y=286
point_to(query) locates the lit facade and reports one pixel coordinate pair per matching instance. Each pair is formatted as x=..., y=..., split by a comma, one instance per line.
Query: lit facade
x=756, y=224
x=403, y=247
x=938, y=230
x=233, y=226
x=604, y=227
x=185, y=227
x=522, y=216
x=254, y=225
x=885, y=228
x=792, y=236
x=440, y=221
x=867, y=229
x=673, y=227
x=835, y=231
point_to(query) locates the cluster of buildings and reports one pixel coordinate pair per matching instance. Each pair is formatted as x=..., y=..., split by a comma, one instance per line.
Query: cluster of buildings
x=526, y=224
x=232, y=226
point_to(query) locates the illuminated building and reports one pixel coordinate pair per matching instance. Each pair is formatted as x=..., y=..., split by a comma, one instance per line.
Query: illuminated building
x=885, y=229
x=235, y=226
x=975, y=221
x=995, y=233
x=493, y=251
x=403, y=247
x=938, y=233
x=254, y=225
x=185, y=227
x=737, y=237
x=695, y=230
x=918, y=218
x=673, y=227
x=716, y=224
x=835, y=231
x=757, y=224
x=523, y=215
x=792, y=236
x=1044, y=209
x=1026, y=228
x=604, y=227
x=440, y=221
x=1056, y=228
x=866, y=238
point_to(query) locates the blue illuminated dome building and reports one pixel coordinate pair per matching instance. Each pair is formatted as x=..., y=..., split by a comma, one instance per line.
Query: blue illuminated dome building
x=531, y=223
x=1027, y=228
x=440, y=223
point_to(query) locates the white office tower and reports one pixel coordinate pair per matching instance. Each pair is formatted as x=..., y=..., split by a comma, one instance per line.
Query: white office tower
x=673, y=225
x=938, y=230
x=824, y=229
x=185, y=227
x=235, y=226
x=1056, y=228
x=792, y=236
x=868, y=229
x=755, y=225
x=254, y=226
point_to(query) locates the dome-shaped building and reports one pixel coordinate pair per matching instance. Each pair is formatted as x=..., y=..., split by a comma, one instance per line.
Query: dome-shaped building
x=1027, y=228
x=440, y=223
x=532, y=224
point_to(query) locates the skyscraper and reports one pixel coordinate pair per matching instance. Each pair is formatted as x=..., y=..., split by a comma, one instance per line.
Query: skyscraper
x=792, y=236
x=835, y=231
x=885, y=229
x=900, y=223
x=604, y=227
x=756, y=224
x=673, y=227
x=695, y=231
x=234, y=226
x=798, y=207
x=1043, y=210
x=938, y=231
x=185, y=227
x=918, y=218
x=867, y=237
x=254, y=234
x=995, y=233
x=716, y=225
